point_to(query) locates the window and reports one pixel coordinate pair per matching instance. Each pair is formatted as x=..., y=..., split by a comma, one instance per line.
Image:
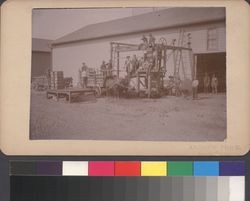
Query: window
x=212, y=39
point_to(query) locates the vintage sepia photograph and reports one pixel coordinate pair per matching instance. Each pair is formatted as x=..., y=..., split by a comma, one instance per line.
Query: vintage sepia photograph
x=129, y=74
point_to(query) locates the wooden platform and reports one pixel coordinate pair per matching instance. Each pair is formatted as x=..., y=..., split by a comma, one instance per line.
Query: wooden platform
x=68, y=93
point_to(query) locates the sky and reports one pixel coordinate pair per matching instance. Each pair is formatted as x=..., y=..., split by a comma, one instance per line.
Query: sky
x=54, y=23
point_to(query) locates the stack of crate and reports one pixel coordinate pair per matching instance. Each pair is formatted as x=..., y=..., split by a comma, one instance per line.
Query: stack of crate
x=91, y=77
x=99, y=78
x=56, y=80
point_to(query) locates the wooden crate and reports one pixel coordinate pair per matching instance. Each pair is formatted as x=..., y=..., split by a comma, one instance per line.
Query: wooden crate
x=56, y=80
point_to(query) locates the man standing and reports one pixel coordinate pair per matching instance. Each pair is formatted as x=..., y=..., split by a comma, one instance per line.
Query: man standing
x=144, y=42
x=177, y=85
x=214, y=84
x=84, y=75
x=134, y=64
x=103, y=69
x=151, y=40
x=127, y=65
x=109, y=68
x=206, y=82
x=195, y=84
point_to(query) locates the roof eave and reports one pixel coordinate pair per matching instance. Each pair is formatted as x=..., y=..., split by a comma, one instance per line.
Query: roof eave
x=54, y=44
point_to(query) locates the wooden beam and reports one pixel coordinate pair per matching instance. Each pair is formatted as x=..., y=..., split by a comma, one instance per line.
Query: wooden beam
x=127, y=44
x=118, y=64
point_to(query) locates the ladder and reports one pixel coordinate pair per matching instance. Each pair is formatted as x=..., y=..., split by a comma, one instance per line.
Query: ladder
x=180, y=57
x=115, y=58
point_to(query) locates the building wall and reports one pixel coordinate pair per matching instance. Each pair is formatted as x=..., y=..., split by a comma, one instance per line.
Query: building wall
x=69, y=57
x=41, y=62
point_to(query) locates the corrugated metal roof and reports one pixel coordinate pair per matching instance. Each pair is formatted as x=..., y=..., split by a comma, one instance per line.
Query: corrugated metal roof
x=167, y=18
x=41, y=45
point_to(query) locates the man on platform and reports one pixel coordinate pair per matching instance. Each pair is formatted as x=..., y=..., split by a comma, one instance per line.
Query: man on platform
x=144, y=44
x=103, y=69
x=134, y=64
x=128, y=65
x=84, y=75
x=151, y=40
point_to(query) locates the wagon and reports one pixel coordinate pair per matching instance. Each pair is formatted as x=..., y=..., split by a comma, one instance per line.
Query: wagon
x=39, y=83
x=96, y=80
x=68, y=93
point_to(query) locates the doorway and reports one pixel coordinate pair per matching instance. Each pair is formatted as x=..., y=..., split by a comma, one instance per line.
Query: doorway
x=212, y=63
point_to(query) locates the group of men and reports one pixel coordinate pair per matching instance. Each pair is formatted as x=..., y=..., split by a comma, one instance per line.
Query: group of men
x=148, y=42
x=207, y=83
x=132, y=64
x=174, y=85
x=153, y=53
x=151, y=58
x=213, y=83
x=106, y=68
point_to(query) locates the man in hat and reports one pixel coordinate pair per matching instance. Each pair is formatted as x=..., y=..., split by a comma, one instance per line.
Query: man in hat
x=144, y=41
x=109, y=68
x=171, y=86
x=103, y=69
x=151, y=40
x=206, y=82
x=177, y=81
x=214, y=84
x=128, y=65
x=84, y=75
x=195, y=84
x=134, y=64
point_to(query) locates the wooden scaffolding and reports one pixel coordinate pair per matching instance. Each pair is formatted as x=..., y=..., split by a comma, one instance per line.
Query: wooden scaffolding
x=157, y=55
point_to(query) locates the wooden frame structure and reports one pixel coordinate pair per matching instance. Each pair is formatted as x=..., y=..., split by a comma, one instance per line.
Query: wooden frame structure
x=69, y=93
x=159, y=68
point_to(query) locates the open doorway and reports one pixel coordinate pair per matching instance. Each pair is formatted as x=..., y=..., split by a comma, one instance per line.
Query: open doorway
x=212, y=63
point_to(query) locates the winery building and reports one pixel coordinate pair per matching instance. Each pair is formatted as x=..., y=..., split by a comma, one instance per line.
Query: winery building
x=91, y=44
x=41, y=57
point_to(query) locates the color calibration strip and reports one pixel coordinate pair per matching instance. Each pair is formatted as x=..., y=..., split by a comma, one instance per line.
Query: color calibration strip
x=127, y=181
x=127, y=168
x=74, y=188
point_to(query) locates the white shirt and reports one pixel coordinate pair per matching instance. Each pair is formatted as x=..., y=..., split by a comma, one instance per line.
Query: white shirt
x=195, y=83
x=84, y=73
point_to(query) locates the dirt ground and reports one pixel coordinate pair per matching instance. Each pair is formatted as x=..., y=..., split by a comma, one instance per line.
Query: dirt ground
x=165, y=119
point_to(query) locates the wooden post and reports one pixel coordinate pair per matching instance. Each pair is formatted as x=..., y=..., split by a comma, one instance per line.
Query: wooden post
x=112, y=58
x=182, y=65
x=69, y=97
x=162, y=82
x=149, y=85
x=174, y=62
x=157, y=67
x=193, y=61
x=138, y=83
x=165, y=59
x=118, y=63
x=195, y=66
x=51, y=58
x=179, y=58
x=111, y=53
